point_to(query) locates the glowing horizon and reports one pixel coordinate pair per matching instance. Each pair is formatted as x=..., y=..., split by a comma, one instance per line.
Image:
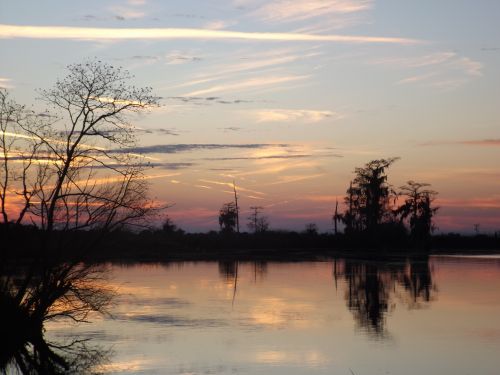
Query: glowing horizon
x=286, y=98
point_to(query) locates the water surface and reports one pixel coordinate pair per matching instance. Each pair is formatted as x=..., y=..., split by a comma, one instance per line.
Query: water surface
x=438, y=315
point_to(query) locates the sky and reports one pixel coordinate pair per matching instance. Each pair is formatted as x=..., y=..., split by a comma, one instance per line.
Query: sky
x=287, y=97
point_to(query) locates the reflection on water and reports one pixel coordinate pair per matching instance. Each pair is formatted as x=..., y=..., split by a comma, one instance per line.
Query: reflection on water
x=34, y=294
x=419, y=315
x=372, y=286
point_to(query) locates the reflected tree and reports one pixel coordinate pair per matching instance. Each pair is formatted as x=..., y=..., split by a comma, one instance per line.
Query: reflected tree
x=372, y=287
x=229, y=271
x=30, y=297
x=417, y=282
x=367, y=295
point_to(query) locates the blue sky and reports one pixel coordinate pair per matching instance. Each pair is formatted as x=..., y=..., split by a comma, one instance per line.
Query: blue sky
x=307, y=89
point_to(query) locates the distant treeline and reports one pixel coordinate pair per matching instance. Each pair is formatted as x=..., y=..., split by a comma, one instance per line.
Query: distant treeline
x=23, y=241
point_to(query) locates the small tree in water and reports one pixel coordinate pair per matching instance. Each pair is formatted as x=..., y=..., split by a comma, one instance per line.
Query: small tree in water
x=418, y=210
x=227, y=217
x=368, y=197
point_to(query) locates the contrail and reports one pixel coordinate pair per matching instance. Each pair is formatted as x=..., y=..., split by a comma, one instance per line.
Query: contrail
x=95, y=33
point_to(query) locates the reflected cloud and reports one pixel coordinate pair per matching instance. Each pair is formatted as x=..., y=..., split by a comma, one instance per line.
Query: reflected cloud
x=277, y=312
x=280, y=357
x=123, y=366
x=170, y=320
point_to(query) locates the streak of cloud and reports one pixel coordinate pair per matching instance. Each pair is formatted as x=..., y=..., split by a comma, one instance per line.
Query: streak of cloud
x=251, y=83
x=442, y=70
x=474, y=142
x=86, y=146
x=296, y=156
x=291, y=179
x=231, y=185
x=5, y=83
x=168, y=166
x=298, y=10
x=208, y=100
x=175, y=148
x=94, y=33
x=492, y=202
x=288, y=115
x=268, y=59
x=482, y=142
x=121, y=13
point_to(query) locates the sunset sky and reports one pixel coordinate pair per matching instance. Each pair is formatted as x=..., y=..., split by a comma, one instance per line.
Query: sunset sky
x=287, y=97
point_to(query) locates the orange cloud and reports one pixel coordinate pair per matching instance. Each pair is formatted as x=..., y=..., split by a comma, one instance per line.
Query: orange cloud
x=483, y=142
x=490, y=202
x=477, y=142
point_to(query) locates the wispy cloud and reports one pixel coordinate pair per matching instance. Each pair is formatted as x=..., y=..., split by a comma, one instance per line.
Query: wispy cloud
x=5, y=83
x=93, y=33
x=292, y=179
x=297, y=10
x=176, y=148
x=482, y=142
x=136, y=2
x=299, y=156
x=219, y=24
x=269, y=59
x=252, y=83
x=168, y=166
x=473, y=142
x=293, y=115
x=324, y=198
x=276, y=157
x=230, y=185
x=179, y=57
x=281, y=167
x=123, y=13
x=270, y=69
x=204, y=100
x=443, y=70
x=486, y=202
x=131, y=9
x=162, y=131
x=417, y=78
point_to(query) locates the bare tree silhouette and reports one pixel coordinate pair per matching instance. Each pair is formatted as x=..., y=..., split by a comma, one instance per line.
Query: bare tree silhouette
x=256, y=222
x=73, y=170
x=30, y=297
x=236, y=208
